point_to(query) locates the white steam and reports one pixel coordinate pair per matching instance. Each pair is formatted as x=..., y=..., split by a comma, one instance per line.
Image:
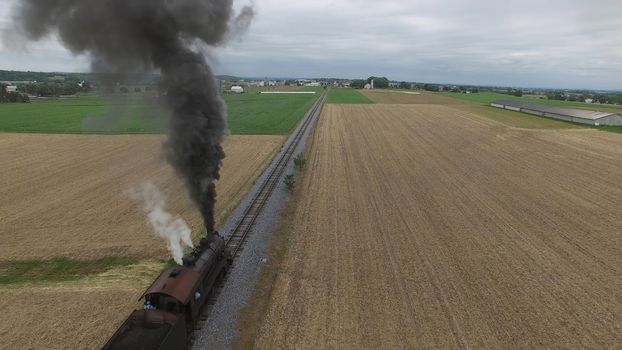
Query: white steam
x=173, y=229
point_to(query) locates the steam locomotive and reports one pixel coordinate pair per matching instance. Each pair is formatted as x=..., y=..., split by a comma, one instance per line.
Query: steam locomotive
x=173, y=302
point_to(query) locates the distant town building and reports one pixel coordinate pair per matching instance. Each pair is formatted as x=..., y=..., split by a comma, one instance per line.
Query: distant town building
x=368, y=86
x=589, y=100
x=237, y=89
x=259, y=83
x=11, y=88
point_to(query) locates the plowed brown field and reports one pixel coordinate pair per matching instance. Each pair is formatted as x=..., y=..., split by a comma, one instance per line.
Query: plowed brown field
x=422, y=226
x=67, y=195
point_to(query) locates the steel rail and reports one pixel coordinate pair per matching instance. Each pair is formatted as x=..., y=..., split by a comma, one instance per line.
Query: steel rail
x=243, y=227
x=245, y=224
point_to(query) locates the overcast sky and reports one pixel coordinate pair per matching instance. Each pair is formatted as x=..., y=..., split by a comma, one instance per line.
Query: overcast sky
x=528, y=43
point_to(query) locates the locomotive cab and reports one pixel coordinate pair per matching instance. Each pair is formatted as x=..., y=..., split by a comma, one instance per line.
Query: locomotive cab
x=163, y=302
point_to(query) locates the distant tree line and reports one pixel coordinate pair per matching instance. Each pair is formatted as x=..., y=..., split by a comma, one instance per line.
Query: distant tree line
x=562, y=95
x=605, y=98
x=57, y=84
x=50, y=89
x=12, y=97
x=431, y=87
x=357, y=83
x=379, y=82
x=463, y=89
x=514, y=92
x=8, y=75
x=47, y=84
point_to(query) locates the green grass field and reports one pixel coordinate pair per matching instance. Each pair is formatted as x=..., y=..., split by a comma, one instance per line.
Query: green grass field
x=488, y=97
x=347, y=96
x=248, y=114
x=267, y=114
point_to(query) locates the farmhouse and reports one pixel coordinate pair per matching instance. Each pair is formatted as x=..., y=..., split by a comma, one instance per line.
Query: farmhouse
x=568, y=114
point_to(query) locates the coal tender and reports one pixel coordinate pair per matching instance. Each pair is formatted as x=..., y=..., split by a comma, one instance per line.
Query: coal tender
x=173, y=303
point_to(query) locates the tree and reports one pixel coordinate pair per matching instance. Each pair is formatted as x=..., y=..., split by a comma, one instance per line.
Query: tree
x=602, y=98
x=513, y=92
x=379, y=82
x=430, y=87
x=357, y=83
x=13, y=97
x=137, y=89
x=404, y=85
x=124, y=90
x=300, y=161
x=556, y=95
x=290, y=182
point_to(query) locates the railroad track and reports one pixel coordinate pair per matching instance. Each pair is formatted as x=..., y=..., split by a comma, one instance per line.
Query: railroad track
x=244, y=226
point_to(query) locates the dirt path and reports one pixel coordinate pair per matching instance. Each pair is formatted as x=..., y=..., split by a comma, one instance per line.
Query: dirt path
x=67, y=195
x=422, y=226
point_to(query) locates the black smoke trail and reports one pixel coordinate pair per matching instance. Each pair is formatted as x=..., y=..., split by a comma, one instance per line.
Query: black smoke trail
x=129, y=36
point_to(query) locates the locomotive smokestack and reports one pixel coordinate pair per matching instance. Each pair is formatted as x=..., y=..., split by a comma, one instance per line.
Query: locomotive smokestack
x=128, y=36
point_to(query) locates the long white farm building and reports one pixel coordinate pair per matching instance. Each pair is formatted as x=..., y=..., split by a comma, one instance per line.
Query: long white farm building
x=582, y=116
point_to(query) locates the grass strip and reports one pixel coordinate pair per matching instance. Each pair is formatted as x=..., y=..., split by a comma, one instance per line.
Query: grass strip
x=56, y=269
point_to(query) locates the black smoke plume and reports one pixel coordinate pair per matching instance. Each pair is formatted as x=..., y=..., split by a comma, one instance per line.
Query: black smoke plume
x=129, y=36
